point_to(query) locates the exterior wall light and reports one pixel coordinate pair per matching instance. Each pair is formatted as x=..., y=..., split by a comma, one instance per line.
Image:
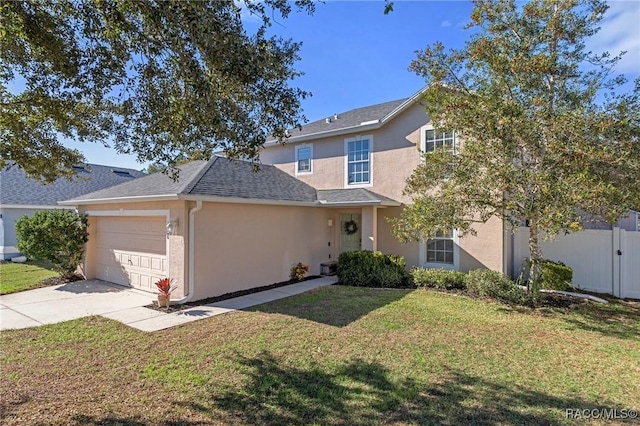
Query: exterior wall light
x=172, y=226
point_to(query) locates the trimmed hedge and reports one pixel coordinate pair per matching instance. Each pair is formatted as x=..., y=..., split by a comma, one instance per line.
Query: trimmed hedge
x=438, y=278
x=366, y=268
x=555, y=275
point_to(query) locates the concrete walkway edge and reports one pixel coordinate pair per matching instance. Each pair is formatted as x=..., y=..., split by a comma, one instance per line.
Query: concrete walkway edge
x=70, y=301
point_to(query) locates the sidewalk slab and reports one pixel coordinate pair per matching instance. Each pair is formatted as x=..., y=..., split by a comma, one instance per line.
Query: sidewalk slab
x=132, y=315
x=11, y=320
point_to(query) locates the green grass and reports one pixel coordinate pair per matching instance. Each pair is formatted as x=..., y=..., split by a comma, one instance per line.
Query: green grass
x=337, y=355
x=15, y=277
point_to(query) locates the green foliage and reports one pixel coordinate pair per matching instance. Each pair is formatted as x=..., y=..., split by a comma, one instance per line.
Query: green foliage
x=298, y=271
x=546, y=133
x=438, y=278
x=57, y=236
x=555, y=275
x=159, y=79
x=371, y=269
x=488, y=283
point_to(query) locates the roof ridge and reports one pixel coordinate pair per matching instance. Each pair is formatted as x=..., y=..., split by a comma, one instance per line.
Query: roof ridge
x=193, y=182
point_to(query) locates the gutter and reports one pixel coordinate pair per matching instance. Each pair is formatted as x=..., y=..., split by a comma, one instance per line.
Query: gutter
x=127, y=199
x=190, y=255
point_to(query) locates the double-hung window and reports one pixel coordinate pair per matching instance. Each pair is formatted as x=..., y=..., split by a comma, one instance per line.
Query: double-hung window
x=304, y=157
x=440, y=248
x=358, y=167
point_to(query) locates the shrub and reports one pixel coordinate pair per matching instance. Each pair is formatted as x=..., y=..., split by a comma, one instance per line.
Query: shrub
x=365, y=268
x=438, y=278
x=57, y=236
x=487, y=283
x=298, y=271
x=555, y=275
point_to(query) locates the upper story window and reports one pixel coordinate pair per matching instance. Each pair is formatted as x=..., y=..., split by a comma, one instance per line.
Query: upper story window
x=434, y=138
x=304, y=158
x=358, y=160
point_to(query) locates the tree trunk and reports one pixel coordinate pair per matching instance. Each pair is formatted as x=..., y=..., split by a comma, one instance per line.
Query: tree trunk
x=535, y=257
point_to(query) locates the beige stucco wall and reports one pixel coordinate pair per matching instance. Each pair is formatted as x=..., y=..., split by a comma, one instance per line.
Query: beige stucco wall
x=177, y=242
x=387, y=243
x=485, y=249
x=240, y=246
x=395, y=155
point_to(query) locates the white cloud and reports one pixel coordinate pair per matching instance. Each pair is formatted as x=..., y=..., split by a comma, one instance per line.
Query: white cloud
x=445, y=24
x=620, y=31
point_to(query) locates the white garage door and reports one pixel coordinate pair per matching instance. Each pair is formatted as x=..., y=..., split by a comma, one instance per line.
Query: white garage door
x=131, y=250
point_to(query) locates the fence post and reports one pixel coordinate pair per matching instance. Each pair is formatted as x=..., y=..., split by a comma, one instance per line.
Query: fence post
x=615, y=290
x=625, y=280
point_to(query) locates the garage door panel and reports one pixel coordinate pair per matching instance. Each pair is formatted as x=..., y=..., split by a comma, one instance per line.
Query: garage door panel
x=129, y=242
x=131, y=250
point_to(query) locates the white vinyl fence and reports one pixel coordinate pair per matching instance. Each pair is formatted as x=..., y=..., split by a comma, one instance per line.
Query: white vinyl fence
x=603, y=261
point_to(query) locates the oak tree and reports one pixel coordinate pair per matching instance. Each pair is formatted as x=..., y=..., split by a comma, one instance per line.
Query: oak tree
x=158, y=79
x=548, y=136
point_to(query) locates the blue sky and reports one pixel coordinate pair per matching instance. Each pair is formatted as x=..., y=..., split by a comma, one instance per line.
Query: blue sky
x=353, y=55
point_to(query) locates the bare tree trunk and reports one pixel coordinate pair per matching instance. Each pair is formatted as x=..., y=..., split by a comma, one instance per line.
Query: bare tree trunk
x=535, y=257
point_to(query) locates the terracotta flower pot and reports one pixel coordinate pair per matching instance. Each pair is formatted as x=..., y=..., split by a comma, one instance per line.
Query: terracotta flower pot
x=163, y=301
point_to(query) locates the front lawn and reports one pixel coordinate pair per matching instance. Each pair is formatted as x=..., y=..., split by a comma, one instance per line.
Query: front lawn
x=16, y=277
x=337, y=355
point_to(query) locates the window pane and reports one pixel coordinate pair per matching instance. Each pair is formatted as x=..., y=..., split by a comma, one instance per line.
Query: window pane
x=430, y=134
x=448, y=258
x=304, y=153
x=304, y=165
x=365, y=177
x=365, y=145
x=439, y=256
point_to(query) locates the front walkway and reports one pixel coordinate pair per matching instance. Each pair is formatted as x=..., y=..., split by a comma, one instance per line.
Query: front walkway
x=80, y=299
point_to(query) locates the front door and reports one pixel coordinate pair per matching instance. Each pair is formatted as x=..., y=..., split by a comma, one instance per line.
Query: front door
x=350, y=232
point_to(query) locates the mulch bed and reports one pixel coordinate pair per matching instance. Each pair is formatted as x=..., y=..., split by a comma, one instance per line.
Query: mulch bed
x=59, y=280
x=183, y=306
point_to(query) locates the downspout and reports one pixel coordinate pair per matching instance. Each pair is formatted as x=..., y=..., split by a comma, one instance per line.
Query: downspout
x=190, y=256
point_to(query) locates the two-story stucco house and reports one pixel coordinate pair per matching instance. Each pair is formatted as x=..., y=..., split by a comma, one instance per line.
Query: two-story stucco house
x=223, y=227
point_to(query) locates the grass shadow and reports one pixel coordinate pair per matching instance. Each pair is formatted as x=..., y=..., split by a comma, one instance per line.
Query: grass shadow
x=333, y=306
x=363, y=393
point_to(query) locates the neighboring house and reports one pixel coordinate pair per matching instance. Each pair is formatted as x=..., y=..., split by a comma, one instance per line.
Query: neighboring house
x=223, y=227
x=21, y=195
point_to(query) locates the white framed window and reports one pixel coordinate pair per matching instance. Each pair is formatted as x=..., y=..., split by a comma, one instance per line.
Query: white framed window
x=441, y=251
x=432, y=138
x=358, y=161
x=304, y=159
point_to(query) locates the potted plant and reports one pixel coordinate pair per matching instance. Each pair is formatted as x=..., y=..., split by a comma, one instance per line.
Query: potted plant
x=298, y=271
x=165, y=287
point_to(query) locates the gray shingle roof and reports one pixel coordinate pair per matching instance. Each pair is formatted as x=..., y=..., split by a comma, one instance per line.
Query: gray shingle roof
x=354, y=117
x=238, y=179
x=153, y=184
x=18, y=189
x=222, y=177
x=355, y=195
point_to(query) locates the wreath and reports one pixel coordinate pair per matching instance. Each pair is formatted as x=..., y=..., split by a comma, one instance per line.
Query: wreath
x=350, y=227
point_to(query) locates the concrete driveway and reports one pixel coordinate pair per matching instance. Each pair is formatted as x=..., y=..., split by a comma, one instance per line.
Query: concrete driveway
x=79, y=299
x=68, y=301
